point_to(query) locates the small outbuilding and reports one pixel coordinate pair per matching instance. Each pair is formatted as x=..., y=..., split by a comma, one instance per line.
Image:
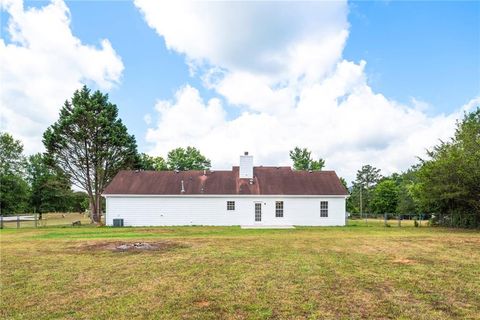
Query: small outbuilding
x=245, y=195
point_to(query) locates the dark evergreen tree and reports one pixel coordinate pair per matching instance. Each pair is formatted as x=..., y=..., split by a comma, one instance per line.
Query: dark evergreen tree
x=78, y=201
x=367, y=178
x=90, y=144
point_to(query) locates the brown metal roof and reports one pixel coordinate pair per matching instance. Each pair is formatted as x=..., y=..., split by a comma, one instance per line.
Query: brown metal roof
x=266, y=181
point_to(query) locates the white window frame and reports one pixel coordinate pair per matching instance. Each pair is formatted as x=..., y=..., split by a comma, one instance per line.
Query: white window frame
x=323, y=209
x=279, y=210
x=230, y=205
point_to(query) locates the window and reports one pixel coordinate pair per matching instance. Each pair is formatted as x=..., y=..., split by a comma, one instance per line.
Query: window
x=323, y=209
x=230, y=205
x=279, y=209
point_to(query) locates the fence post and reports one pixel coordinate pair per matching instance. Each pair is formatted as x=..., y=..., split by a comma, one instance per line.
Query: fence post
x=18, y=221
x=385, y=219
x=1, y=222
x=399, y=220
x=35, y=219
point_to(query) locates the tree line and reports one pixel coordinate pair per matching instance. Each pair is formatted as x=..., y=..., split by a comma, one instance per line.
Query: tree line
x=33, y=185
x=85, y=149
x=29, y=184
x=445, y=185
x=89, y=144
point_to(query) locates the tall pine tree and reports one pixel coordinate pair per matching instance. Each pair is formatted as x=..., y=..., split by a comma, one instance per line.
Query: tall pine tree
x=90, y=144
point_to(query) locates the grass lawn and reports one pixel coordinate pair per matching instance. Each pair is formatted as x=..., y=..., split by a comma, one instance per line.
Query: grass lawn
x=352, y=272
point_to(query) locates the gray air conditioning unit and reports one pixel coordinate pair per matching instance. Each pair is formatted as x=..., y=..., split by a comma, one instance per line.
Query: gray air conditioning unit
x=118, y=222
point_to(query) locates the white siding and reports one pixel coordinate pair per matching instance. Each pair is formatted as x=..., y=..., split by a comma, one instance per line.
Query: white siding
x=205, y=210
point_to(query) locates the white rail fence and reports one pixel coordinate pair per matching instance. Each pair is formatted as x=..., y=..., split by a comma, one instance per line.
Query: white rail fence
x=18, y=219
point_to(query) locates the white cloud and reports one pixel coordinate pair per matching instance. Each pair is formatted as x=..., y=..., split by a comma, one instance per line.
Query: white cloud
x=43, y=65
x=254, y=92
x=282, y=63
x=282, y=40
x=182, y=122
x=363, y=127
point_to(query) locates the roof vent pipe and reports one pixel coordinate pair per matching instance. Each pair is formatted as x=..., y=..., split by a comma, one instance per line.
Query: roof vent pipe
x=183, y=187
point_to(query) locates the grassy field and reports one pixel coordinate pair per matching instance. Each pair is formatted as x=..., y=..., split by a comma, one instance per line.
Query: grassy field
x=352, y=272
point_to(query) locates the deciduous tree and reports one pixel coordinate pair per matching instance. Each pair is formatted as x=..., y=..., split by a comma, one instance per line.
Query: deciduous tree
x=50, y=188
x=449, y=179
x=189, y=158
x=302, y=160
x=147, y=162
x=12, y=160
x=385, y=197
x=14, y=190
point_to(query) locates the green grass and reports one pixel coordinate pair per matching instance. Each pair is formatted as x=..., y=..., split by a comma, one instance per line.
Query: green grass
x=352, y=272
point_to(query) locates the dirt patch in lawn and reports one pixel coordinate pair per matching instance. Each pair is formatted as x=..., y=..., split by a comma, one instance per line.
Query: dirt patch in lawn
x=202, y=304
x=404, y=261
x=136, y=246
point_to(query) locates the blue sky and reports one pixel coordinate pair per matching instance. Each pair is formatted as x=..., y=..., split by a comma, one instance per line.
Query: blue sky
x=413, y=50
x=423, y=58
x=419, y=49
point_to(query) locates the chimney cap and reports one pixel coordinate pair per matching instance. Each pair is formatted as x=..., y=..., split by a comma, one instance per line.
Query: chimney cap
x=246, y=153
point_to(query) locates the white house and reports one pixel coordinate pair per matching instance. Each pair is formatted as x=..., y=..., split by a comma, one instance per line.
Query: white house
x=245, y=195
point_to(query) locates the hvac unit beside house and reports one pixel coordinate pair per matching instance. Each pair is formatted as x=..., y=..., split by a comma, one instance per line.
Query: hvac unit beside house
x=118, y=222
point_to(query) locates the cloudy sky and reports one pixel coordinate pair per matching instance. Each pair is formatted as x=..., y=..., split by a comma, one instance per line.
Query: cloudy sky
x=355, y=82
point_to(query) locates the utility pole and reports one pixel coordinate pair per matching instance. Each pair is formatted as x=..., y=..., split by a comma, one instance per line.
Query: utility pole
x=361, y=206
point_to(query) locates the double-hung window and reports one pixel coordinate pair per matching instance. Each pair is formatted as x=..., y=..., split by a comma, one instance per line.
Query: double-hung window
x=231, y=205
x=279, y=209
x=324, y=209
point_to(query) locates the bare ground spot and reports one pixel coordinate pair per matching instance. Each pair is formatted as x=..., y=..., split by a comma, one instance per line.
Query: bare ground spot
x=134, y=246
x=202, y=304
x=404, y=261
